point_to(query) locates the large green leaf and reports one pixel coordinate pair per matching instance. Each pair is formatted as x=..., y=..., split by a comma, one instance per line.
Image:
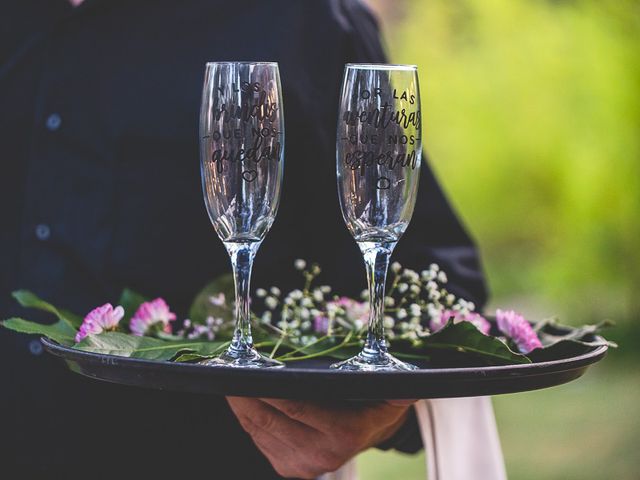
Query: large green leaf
x=201, y=308
x=60, y=331
x=124, y=345
x=464, y=337
x=31, y=300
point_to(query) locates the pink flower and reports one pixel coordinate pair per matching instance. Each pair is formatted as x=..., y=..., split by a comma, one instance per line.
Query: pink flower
x=100, y=319
x=150, y=314
x=321, y=324
x=514, y=326
x=218, y=300
x=474, y=318
x=356, y=311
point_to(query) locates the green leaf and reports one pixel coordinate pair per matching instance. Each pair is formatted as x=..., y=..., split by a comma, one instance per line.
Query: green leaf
x=148, y=348
x=190, y=358
x=562, y=349
x=60, y=331
x=31, y=300
x=201, y=308
x=464, y=337
x=551, y=333
x=563, y=341
x=130, y=301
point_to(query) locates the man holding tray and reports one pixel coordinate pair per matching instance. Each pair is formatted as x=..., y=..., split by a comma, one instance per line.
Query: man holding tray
x=101, y=190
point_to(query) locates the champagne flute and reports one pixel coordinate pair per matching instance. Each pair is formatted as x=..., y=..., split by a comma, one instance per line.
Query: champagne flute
x=241, y=160
x=378, y=158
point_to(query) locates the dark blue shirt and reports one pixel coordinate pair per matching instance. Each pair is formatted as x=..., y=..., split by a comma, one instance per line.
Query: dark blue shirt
x=101, y=190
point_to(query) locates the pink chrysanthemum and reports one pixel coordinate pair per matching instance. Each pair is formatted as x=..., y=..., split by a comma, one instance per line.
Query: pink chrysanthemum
x=516, y=327
x=151, y=314
x=100, y=319
x=474, y=318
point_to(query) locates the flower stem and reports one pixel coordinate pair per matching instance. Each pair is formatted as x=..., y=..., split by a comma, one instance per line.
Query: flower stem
x=344, y=343
x=293, y=352
x=277, y=345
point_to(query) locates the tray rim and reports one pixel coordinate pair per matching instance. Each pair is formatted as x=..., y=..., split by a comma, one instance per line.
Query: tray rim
x=571, y=363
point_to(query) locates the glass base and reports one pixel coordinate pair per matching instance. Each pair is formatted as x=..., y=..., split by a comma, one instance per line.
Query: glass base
x=374, y=362
x=249, y=358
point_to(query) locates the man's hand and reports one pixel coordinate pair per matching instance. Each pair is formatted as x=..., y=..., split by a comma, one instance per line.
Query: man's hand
x=305, y=439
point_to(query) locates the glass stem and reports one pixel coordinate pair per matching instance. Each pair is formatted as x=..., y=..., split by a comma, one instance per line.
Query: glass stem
x=242, y=255
x=376, y=258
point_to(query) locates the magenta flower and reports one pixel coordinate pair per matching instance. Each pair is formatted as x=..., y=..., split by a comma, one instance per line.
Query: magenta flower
x=516, y=327
x=474, y=318
x=321, y=324
x=100, y=319
x=155, y=314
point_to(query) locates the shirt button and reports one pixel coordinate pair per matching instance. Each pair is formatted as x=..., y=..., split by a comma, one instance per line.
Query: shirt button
x=35, y=347
x=53, y=122
x=43, y=232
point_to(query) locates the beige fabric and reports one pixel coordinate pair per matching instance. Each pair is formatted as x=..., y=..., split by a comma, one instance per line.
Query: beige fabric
x=460, y=439
x=347, y=472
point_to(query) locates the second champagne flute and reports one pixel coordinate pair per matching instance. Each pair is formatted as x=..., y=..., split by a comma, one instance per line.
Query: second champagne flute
x=378, y=165
x=241, y=159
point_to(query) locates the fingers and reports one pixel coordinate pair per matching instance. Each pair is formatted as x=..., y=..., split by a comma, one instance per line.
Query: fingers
x=356, y=426
x=253, y=414
x=307, y=413
x=292, y=448
x=282, y=457
x=305, y=439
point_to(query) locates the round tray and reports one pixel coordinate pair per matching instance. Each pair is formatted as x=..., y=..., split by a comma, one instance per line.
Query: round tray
x=313, y=379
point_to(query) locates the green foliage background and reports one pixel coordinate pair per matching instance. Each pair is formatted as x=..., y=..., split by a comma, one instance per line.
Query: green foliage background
x=532, y=112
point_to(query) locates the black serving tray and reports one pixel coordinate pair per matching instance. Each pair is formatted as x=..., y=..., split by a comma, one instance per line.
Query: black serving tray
x=312, y=379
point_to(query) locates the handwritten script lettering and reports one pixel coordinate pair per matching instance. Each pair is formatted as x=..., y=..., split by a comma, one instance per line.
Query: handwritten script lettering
x=248, y=114
x=384, y=134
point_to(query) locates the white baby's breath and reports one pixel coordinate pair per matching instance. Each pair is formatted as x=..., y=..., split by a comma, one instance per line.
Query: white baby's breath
x=271, y=303
x=411, y=275
x=295, y=294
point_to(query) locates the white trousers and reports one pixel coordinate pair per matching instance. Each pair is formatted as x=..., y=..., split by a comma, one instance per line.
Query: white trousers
x=460, y=439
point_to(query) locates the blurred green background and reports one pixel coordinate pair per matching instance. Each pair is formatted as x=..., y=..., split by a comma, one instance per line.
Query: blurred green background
x=532, y=125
